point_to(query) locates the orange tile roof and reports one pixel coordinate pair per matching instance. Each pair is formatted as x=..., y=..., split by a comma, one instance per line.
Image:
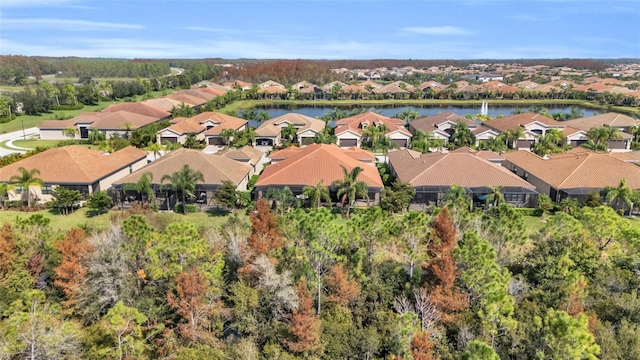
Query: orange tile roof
x=610, y=118
x=194, y=124
x=138, y=108
x=163, y=103
x=273, y=90
x=214, y=168
x=87, y=117
x=355, y=89
x=514, y=121
x=118, y=119
x=390, y=89
x=316, y=163
x=428, y=123
x=74, y=164
x=301, y=122
x=453, y=168
x=354, y=123
x=578, y=168
x=246, y=153
x=187, y=99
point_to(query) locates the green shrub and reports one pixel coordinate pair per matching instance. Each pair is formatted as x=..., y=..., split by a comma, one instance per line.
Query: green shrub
x=5, y=119
x=191, y=208
x=77, y=106
x=529, y=211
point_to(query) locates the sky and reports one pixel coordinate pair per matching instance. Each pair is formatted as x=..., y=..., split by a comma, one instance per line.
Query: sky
x=320, y=29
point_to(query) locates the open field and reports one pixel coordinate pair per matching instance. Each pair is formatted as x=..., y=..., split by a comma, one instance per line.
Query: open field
x=249, y=104
x=79, y=217
x=35, y=120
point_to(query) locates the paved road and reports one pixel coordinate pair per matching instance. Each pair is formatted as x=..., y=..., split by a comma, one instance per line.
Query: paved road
x=16, y=135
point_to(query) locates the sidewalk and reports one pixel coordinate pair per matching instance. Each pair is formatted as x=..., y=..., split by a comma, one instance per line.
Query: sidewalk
x=16, y=135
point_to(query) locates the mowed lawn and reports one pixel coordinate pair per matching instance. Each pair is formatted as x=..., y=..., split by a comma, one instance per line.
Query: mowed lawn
x=28, y=121
x=201, y=220
x=33, y=143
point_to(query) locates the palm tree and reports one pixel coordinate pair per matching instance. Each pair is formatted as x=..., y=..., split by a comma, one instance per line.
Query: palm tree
x=155, y=148
x=457, y=196
x=599, y=137
x=227, y=135
x=622, y=193
x=142, y=187
x=289, y=133
x=385, y=144
x=4, y=189
x=407, y=115
x=316, y=194
x=462, y=136
x=70, y=132
x=374, y=133
x=350, y=188
x=512, y=136
x=95, y=136
x=494, y=144
x=495, y=196
x=25, y=180
x=183, y=182
x=283, y=198
x=127, y=127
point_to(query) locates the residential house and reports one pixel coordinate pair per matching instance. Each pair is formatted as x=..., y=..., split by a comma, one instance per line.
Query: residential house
x=574, y=174
x=485, y=77
x=270, y=83
x=215, y=168
x=329, y=86
x=206, y=126
x=350, y=131
x=532, y=124
x=622, y=122
x=118, y=123
x=392, y=91
x=319, y=163
x=441, y=126
x=269, y=133
x=433, y=174
x=246, y=154
x=163, y=103
x=140, y=108
x=75, y=167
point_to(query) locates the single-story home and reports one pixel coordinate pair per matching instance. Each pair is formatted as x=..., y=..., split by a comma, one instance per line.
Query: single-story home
x=350, y=131
x=269, y=133
x=574, y=174
x=109, y=123
x=433, y=174
x=205, y=126
x=215, y=169
x=319, y=163
x=532, y=124
x=75, y=167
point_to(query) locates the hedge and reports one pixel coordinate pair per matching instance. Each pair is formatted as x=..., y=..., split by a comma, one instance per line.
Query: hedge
x=191, y=208
x=77, y=106
x=529, y=211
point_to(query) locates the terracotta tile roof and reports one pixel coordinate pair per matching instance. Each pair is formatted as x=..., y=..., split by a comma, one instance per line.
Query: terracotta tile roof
x=74, y=164
x=578, y=168
x=195, y=124
x=116, y=120
x=484, y=154
x=327, y=87
x=434, y=85
x=369, y=82
x=163, y=103
x=355, y=89
x=567, y=130
x=273, y=127
x=514, y=121
x=429, y=123
x=499, y=86
x=315, y=163
x=87, y=118
x=466, y=88
x=390, y=89
x=198, y=93
x=399, y=84
x=310, y=89
x=270, y=83
x=273, y=90
x=481, y=129
x=214, y=91
x=187, y=99
x=214, y=168
x=354, y=123
x=611, y=119
x=593, y=87
x=246, y=153
x=138, y=108
x=453, y=168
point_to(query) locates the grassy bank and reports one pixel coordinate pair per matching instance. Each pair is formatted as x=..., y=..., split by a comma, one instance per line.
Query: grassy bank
x=33, y=143
x=249, y=104
x=35, y=120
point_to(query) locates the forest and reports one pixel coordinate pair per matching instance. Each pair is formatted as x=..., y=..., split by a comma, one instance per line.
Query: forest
x=279, y=282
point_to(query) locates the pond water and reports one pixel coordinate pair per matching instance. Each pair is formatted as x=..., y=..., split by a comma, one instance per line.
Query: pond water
x=426, y=110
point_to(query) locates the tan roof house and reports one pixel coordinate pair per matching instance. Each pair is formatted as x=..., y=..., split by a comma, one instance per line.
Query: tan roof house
x=75, y=167
x=163, y=103
x=350, y=131
x=318, y=163
x=140, y=108
x=206, y=126
x=440, y=125
x=109, y=123
x=572, y=174
x=433, y=174
x=269, y=133
x=532, y=124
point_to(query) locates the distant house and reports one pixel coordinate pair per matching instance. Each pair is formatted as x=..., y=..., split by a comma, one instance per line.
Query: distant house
x=319, y=163
x=246, y=154
x=77, y=168
x=441, y=126
x=139, y=108
x=163, y=103
x=574, y=174
x=433, y=174
x=621, y=122
x=269, y=132
x=215, y=168
x=350, y=131
x=205, y=126
x=270, y=83
x=484, y=77
x=108, y=123
x=392, y=90
x=532, y=124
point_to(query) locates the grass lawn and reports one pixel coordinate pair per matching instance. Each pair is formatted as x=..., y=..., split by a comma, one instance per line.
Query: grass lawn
x=533, y=224
x=79, y=217
x=635, y=221
x=35, y=120
x=33, y=143
x=8, y=88
x=76, y=79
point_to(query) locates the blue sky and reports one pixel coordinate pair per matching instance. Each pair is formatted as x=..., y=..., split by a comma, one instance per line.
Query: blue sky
x=454, y=29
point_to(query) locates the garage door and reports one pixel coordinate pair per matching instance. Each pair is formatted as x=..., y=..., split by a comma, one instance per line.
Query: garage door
x=348, y=142
x=215, y=141
x=169, y=139
x=524, y=144
x=400, y=142
x=307, y=140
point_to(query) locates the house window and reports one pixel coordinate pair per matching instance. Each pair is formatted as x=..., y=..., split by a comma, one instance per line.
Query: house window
x=130, y=169
x=46, y=190
x=18, y=190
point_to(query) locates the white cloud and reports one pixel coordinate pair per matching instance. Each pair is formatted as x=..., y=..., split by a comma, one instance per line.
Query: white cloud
x=65, y=24
x=438, y=30
x=34, y=3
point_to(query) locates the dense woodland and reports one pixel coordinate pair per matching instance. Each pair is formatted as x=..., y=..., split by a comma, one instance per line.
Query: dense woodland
x=309, y=283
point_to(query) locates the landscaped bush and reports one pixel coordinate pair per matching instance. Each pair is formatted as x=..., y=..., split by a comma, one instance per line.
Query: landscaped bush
x=72, y=142
x=191, y=208
x=77, y=106
x=6, y=119
x=529, y=211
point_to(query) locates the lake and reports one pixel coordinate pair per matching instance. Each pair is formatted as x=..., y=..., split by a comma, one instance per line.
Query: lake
x=425, y=110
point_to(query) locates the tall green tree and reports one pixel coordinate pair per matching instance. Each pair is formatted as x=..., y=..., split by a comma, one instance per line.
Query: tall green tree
x=316, y=194
x=25, y=181
x=622, y=193
x=350, y=188
x=461, y=136
x=567, y=337
x=183, y=183
x=458, y=197
x=143, y=187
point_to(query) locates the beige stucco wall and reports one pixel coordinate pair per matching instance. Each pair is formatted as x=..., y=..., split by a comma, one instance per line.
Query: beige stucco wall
x=541, y=186
x=50, y=134
x=108, y=181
